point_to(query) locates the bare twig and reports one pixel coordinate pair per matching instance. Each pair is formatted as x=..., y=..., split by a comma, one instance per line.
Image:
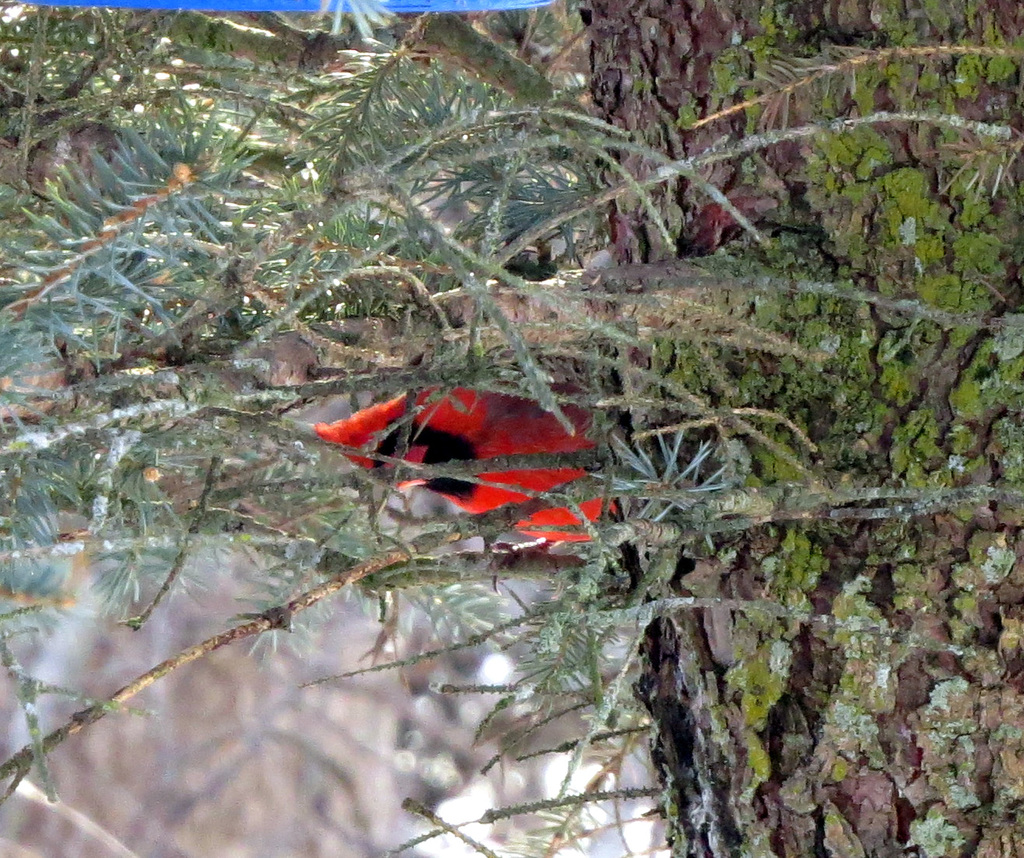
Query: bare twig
x=18, y=765
x=136, y=623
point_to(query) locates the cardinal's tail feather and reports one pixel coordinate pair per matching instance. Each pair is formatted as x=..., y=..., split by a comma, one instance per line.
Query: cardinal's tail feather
x=561, y=517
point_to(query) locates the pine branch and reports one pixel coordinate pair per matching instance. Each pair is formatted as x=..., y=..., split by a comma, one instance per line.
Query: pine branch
x=818, y=70
x=18, y=765
x=454, y=38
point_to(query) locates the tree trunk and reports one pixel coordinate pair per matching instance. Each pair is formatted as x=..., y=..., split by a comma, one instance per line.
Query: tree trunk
x=881, y=713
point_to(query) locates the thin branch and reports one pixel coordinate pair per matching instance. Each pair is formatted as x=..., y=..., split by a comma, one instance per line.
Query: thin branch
x=85, y=824
x=38, y=440
x=689, y=168
x=19, y=764
x=113, y=227
x=456, y=40
x=568, y=801
x=415, y=807
x=136, y=623
x=468, y=643
x=878, y=58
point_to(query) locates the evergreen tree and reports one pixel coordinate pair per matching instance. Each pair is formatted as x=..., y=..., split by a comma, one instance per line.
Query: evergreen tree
x=216, y=229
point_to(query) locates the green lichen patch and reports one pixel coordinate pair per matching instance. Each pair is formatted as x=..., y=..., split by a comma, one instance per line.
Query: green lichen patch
x=866, y=639
x=990, y=382
x=759, y=679
x=1007, y=448
x=916, y=455
x=794, y=569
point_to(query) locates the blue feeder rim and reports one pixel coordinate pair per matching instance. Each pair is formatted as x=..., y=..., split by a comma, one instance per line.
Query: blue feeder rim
x=396, y=6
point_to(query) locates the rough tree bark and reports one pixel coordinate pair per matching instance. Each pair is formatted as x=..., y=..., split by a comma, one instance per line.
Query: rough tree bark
x=892, y=723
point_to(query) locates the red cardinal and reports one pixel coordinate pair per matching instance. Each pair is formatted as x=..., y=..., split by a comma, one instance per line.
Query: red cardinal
x=467, y=425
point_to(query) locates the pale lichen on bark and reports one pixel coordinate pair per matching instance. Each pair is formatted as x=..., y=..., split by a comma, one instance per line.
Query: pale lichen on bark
x=889, y=722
